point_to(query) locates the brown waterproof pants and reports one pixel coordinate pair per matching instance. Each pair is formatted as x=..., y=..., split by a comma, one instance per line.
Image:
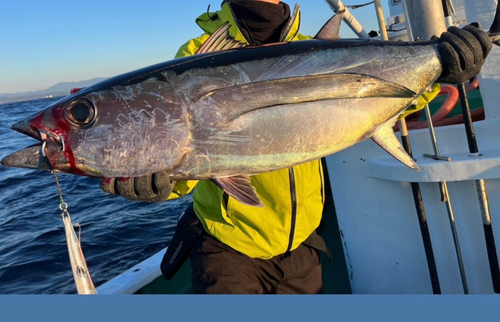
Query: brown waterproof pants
x=219, y=269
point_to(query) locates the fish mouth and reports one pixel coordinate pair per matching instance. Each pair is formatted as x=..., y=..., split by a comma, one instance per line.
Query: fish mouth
x=44, y=155
x=25, y=128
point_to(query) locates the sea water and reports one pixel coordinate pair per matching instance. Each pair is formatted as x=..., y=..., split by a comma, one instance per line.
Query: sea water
x=116, y=233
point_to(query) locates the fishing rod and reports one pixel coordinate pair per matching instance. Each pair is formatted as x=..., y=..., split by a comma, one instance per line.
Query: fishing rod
x=422, y=217
x=474, y=152
x=443, y=186
x=445, y=197
x=415, y=187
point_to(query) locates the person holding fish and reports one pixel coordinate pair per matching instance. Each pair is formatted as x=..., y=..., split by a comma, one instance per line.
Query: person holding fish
x=273, y=248
x=237, y=248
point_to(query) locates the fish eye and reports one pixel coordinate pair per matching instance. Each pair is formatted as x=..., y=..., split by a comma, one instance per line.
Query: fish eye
x=80, y=112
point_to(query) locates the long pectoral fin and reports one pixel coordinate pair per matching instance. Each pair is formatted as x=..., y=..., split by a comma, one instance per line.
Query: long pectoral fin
x=252, y=96
x=240, y=188
x=388, y=141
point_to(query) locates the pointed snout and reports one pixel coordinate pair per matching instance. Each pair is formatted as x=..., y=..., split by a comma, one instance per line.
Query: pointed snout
x=25, y=127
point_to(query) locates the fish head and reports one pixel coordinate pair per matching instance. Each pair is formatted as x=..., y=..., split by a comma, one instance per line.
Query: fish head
x=53, y=127
x=108, y=130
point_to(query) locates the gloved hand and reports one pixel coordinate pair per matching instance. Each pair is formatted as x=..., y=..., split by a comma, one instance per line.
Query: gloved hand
x=155, y=187
x=463, y=52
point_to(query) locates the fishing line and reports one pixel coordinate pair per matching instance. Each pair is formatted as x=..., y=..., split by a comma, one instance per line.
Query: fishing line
x=81, y=275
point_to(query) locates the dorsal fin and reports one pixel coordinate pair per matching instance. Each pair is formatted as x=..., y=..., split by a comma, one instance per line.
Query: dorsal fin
x=331, y=29
x=220, y=40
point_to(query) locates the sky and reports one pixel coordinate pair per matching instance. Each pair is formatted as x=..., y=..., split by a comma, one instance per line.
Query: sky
x=43, y=43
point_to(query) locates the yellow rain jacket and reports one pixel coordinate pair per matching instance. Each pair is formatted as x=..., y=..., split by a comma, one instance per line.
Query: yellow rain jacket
x=293, y=198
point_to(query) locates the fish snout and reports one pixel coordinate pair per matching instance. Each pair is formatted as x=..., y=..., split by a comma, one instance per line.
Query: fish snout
x=25, y=127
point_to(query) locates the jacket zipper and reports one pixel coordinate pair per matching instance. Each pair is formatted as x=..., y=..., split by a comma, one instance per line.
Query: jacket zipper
x=291, y=21
x=293, y=196
x=323, y=171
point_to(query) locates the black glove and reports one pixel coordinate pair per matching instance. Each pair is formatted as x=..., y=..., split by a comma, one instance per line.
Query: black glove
x=155, y=187
x=463, y=52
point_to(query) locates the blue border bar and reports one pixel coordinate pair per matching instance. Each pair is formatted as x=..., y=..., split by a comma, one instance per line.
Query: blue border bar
x=257, y=308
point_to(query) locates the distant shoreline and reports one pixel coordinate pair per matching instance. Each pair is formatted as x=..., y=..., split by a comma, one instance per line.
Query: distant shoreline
x=61, y=89
x=24, y=98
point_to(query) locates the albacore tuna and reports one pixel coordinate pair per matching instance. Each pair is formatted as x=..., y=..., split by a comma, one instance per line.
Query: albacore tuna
x=228, y=115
